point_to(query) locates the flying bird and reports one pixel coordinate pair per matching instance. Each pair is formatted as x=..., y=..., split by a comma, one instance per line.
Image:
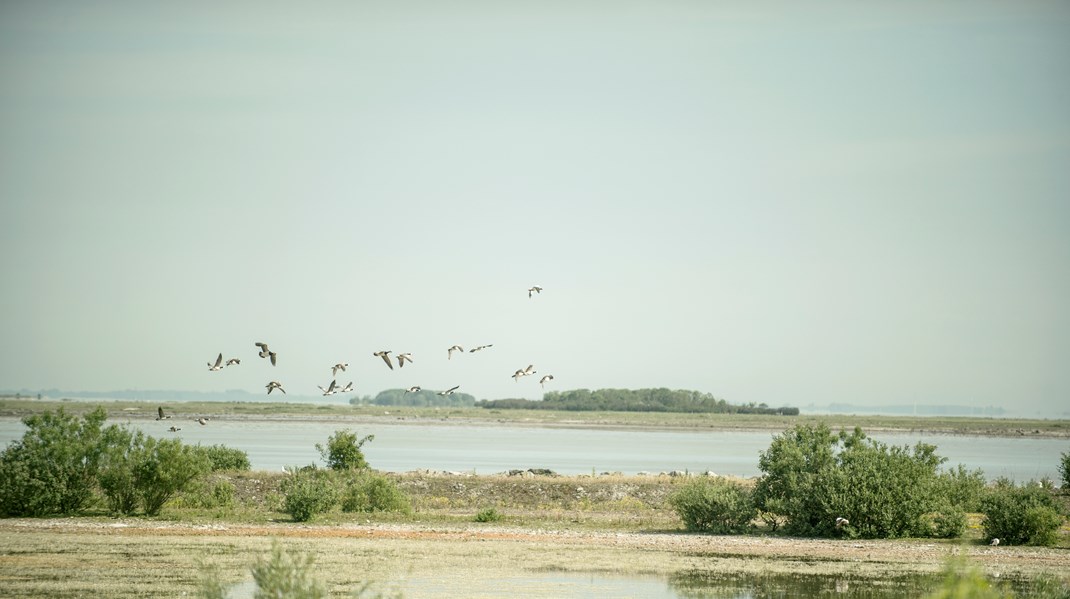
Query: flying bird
x=402, y=358
x=218, y=364
x=265, y=352
x=233, y=361
x=383, y=354
x=174, y=429
x=534, y=289
x=329, y=390
x=160, y=414
x=449, y=352
x=347, y=388
x=480, y=347
x=339, y=366
x=202, y=421
x=545, y=379
x=413, y=389
x=274, y=385
x=450, y=390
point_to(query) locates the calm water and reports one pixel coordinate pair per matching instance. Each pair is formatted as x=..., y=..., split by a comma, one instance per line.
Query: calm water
x=401, y=447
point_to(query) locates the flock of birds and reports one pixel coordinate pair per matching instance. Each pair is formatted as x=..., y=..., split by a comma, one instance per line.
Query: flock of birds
x=334, y=387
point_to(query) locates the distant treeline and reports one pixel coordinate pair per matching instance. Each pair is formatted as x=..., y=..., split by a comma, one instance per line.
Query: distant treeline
x=424, y=397
x=635, y=400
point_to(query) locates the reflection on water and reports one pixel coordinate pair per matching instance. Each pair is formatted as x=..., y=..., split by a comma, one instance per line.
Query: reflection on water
x=709, y=585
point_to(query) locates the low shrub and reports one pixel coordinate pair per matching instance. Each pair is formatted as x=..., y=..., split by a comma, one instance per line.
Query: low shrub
x=286, y=574
x=342, y=451
x=714, y=505
x=1064, y=471
x=489, y=515
x=308, y=492
x=221, y=457
x=368, y=491
x=1026, y=515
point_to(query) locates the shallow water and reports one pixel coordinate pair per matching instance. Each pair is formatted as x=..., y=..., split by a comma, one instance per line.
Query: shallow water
x=402, y=447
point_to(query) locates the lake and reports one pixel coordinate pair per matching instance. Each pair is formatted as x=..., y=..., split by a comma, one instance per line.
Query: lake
x=489, y=449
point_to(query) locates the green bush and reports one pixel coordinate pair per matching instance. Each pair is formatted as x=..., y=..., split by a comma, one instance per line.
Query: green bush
x=812, y=476
x=367, y=491
x=164, y=468
x=948, y=521
x=1026, y=515
x=308, y=492
x=962, y=581
x=489, y=515
x=286, y=574
x=116, y=477
x=714, y=505
x=221, y=457
x=962, y=488
x=343, y=451
x=53, y=468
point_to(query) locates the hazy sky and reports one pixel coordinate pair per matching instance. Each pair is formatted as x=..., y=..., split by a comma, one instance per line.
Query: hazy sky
x=781, y=203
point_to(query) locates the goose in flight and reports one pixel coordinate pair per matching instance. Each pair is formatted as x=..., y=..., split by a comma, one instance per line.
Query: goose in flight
x=265, y=352
x=202, y=420
x=534, y=289
x=274, y=385
x=450, y=390
x=545, y=379
x=524, y=372
x=174, y=429
x=413, y=389
x=159, y=414
x=346, y=389
x=475, y=349
x=339, y=366
x=383, y=354
x=218, y=364
x=233, y=361
x=329, y=390
x=402, y=358
x=449, y=352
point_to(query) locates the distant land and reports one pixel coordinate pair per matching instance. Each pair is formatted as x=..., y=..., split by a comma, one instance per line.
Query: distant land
x=241, y=395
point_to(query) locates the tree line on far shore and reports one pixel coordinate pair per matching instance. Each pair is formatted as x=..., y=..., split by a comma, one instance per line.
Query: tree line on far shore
x=637, y=400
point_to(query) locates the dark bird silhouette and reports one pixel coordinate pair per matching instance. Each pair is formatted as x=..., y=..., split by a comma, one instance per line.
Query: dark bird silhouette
x=233, y=361
x=174, y=429
x=274, y=385
x=545, y=379
x=265, y=352
x=159, y=414
x=449, y=352
x=450, y=390
x=475, y=349
x=386, y=358
x=534, y=289
x=329, y=390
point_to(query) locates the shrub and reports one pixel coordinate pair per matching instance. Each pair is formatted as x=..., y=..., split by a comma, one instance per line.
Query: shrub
x=489, y=515
x=164, y=468
x=343, y=451
x=1026, y=515
x=53, y=468
x=813, y=477
x=714, y=505
x=308, y=492
x=962, y=581
x=286, y=574
x=948, y=521
x=221, y=457
x=962, y=488
x=116, y=475
x=370, y=492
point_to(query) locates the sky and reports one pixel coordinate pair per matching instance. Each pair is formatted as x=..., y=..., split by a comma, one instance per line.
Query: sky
x=780, y=203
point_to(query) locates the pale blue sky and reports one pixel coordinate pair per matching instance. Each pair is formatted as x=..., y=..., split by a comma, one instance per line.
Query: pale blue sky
x=774, y=203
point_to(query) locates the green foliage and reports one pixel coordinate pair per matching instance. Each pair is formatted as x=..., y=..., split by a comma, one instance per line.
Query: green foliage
x=1064, y=471
x=308, y=492
x=424, y=397
x=714, y=505
x=164, y=468
x=813, y=476
x=209, y=583
x=636, y=400
x=1026, y=515
x=286, y=574
x=962, y=488
x=343, y=451
x=116, y=477
x=964, y=582
x=221, y=458
x=53, y=468
x=489, y=515
x=367, y=491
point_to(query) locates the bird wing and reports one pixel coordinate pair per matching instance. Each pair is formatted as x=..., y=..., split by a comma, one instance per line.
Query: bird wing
x=386, y=359
x=219, y=359
x=273, y=355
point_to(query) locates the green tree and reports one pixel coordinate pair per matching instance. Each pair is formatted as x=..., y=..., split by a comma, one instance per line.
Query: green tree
x=308, y=492
x=164, y=468
x=343, y=451
x=1064, y=471
x=53, y=468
